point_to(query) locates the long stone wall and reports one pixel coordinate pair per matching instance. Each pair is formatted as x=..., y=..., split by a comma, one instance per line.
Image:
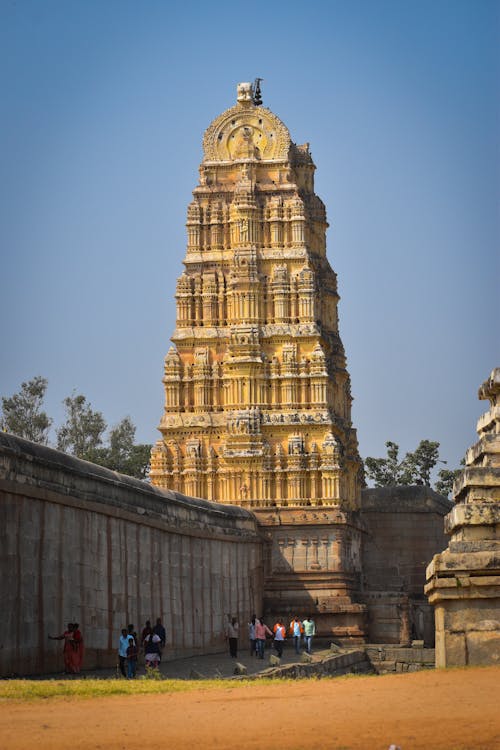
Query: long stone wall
x=81, y=543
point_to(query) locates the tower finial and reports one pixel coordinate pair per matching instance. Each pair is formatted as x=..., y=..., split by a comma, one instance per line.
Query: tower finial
x=256, y=93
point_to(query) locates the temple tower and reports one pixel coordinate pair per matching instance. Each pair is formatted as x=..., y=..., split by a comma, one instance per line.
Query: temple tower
x=257, y=395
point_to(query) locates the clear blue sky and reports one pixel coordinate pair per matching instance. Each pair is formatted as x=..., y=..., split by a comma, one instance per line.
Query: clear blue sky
x=102, y=113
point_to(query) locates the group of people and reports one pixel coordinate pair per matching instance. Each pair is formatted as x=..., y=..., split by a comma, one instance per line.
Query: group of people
x=73, y=648
x=297, y=629
x=153, y=639
x=258, y=631
x=152, y=642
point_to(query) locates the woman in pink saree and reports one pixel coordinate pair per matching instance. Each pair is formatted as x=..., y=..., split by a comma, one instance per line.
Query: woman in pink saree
x=67, y=637
x=77, y=648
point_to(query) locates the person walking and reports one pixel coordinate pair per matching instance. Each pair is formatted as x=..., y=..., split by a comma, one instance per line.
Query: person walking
x=123, y=645
x=152, y=650
x=252, y=636
x=232, y=633
x=132, y=654
x=296, y=631
x=309, y=631
x=261, y=630
x=279, y=637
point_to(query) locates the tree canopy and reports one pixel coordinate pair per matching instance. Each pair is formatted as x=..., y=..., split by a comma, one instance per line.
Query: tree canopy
x=22, y=413
x=82, y=434
x=415, y=468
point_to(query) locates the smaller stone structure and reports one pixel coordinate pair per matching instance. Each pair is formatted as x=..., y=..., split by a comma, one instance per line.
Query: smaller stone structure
x=404, y=529
x=464, y=580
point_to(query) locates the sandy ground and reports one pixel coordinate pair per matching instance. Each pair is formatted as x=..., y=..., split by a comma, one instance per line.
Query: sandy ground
x=456, y=710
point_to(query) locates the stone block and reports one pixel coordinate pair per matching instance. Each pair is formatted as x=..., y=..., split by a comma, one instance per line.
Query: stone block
x=306, y=658
x=274, y=661
x=455, y=654
x=240, y=668
x=417, y=644
x=483, y=647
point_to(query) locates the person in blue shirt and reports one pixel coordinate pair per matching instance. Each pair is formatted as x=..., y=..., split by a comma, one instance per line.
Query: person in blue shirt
x=122, y=650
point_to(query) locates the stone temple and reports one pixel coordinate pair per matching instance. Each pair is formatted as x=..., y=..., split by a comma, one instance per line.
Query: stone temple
x=257, y=394
x=258, y=506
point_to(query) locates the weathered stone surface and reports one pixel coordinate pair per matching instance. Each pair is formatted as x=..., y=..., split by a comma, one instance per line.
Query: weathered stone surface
x=404, y=528
x=463, y=582
x=79, y=542
x=274, y=661
x=240, y=668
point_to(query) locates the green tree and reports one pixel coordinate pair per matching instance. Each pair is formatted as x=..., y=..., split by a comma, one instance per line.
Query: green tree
x=22, y=413
x=81, y=434
x=414, y=468
x=122, y=454
x=386, y=471
x=419, y=464
x=446, y=478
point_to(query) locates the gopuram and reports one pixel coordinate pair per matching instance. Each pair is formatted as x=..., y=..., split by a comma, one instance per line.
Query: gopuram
x=257, y=395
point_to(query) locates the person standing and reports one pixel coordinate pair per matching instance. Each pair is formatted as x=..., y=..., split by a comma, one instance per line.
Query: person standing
x=296, y=631
x=132, y=653
x=260, y=636
x=309, y=632
x=232, y=633
x=161, y=632
x=279, y=637
x=78, y=648
x=147, y=630
x=123, y=645
x=251, y=635
x=152, y=650
x=67, y=648
x=131, y=631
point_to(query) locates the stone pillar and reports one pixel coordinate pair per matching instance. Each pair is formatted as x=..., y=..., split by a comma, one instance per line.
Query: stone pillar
x=463, y=582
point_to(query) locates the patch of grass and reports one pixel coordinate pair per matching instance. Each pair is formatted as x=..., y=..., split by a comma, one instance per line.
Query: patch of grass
x=27, y=690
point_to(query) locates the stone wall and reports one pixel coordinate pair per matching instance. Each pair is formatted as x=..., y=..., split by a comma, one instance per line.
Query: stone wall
x=81, y=543
x=404, y=528
x=313, y=567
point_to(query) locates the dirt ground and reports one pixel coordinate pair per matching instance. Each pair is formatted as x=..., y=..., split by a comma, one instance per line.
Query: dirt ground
x=456, y=710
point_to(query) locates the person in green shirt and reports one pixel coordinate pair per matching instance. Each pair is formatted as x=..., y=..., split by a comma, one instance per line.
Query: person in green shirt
x=309, y=631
